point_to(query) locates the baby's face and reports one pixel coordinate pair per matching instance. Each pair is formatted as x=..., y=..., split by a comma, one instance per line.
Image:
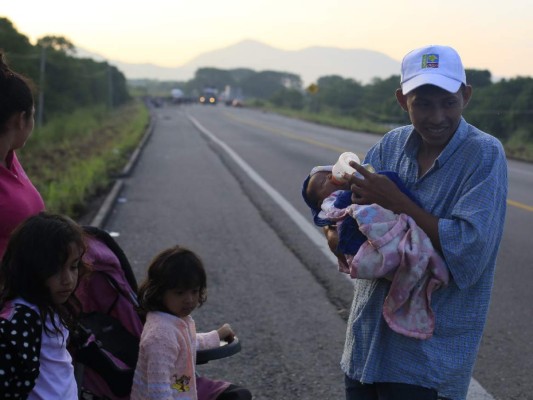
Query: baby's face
x=321, y=186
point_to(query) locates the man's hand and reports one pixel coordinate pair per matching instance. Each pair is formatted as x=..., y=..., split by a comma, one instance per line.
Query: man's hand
x=375, y=189
x=379, y=189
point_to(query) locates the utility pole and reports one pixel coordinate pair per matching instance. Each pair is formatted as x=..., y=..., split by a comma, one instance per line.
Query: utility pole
x=109, y=86
x=40, y=104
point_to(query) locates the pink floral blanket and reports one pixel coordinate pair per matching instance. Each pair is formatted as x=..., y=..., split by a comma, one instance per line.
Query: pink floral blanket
x=398, y=250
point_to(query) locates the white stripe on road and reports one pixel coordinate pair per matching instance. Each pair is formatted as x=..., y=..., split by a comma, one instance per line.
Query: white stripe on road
x=308, y=228
x=475, y=390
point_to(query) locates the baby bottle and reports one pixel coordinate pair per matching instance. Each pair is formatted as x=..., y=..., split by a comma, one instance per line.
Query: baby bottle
x=342, y=167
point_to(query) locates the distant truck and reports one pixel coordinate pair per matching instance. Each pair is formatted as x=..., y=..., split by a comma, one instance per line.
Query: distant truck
x=208, y=96
x=177, y=96
x=232, y=96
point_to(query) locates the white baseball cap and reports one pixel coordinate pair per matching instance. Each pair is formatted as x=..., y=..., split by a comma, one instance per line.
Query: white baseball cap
x=432, y=65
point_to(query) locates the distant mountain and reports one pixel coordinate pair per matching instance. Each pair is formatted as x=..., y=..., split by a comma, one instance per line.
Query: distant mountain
x=310, y=63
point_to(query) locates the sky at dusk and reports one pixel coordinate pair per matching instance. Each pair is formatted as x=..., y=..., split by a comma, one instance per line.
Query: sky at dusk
x=497, y=36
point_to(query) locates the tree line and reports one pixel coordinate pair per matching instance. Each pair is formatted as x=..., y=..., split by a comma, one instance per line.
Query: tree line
x=63, y=82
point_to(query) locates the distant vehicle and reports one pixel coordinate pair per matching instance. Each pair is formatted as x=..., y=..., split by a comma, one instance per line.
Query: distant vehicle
x=234, y=103
x=208, y=96
x=177, y=96
x=156, y=102
x=237, y=103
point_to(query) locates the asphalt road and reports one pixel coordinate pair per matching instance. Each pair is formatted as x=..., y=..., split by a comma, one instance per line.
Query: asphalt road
x=223, y=182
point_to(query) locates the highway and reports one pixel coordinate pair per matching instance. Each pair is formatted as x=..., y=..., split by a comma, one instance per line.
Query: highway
x=226, y=182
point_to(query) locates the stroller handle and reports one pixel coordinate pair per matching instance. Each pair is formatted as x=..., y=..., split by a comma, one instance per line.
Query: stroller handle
x=224, y=350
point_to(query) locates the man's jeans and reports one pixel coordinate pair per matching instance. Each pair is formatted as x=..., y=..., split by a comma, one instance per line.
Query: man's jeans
x=356, y=390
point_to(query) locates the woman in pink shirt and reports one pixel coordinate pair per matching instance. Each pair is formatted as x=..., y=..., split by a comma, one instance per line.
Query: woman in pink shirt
x=175, y=286
x=18, y=197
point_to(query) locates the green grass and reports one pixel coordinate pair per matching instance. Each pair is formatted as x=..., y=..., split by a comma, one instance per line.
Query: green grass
x=330, y=119
x=520, y=146
x=75, y=157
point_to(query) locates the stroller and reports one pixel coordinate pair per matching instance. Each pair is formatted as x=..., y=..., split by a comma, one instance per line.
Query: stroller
x=106, y=341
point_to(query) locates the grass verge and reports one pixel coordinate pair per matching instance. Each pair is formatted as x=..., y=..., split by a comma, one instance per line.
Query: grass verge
x=330, y=119
x=75, y=157
x=520, y=147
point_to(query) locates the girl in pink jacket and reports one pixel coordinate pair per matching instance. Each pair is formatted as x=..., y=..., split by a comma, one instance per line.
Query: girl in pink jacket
x=175, y=286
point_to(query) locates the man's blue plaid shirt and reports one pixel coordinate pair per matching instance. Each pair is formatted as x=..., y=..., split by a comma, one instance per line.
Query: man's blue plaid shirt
x=467, y=189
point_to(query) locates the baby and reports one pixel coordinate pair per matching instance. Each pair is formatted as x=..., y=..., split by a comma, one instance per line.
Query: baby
x=375, y=243
x=322, y=193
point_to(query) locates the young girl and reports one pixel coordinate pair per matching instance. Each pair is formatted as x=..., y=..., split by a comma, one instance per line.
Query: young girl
x=174, y=287
x=39, y=272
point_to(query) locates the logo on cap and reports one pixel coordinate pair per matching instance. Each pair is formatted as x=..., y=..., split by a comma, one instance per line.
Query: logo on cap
x=430, y=61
